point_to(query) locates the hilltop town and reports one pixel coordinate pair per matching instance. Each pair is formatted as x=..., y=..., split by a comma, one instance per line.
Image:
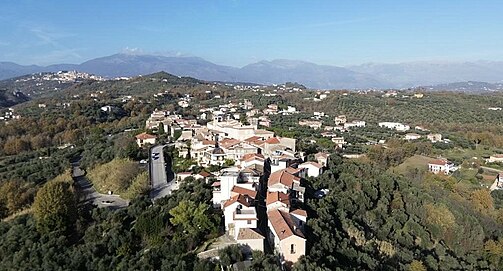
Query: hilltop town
x=254, y=176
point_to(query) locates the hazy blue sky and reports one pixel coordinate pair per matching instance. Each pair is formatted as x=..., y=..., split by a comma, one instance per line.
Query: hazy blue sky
x=238, y=32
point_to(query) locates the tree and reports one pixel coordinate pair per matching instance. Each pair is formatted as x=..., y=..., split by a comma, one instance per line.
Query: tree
x=228, y=163
x=230, y=255
x=193, y=219
x=482, y=200
x=160, y=130
x=55, y=207
x=14, y=196
x=416, y=265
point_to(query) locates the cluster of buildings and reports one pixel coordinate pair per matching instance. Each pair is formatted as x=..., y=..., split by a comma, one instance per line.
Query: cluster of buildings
x=395, y=126
x=263, y=88
x=248, y=189
x=342, y=123
x=9, y=115
x=314, y=124
x=226, y=139
x=62, y=77
x=261, y=188
x=433, y=138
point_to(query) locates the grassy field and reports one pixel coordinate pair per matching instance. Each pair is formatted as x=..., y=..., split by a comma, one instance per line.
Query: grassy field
x=121, y=176
x=458, y=154
x=466, y=177
x=415, y=162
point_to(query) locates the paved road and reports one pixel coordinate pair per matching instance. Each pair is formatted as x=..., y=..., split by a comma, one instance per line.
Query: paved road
x=491, y=169
x=162, y=184
x=88, y=194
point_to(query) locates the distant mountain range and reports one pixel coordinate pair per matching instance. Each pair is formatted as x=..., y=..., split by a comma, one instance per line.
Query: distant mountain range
x=401, y=75
x=469, y=86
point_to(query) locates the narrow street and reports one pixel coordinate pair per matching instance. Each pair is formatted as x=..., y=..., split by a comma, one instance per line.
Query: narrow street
x=87, y=193
x=162, y=183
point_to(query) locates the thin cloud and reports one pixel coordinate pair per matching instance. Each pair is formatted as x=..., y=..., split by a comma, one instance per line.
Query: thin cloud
x=49, y=37
x=54, y=39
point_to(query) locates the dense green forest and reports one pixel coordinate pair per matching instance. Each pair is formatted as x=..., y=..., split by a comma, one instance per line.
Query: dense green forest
x=145, y=236
x=374, y=220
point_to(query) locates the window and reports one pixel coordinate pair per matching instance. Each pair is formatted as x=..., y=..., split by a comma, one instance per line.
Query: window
x=248, y=222
x=292, y=249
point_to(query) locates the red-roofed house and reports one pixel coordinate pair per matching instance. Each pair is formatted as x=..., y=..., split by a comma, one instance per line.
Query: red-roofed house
x=252, y=159
x=239, y=213
x=441, y=166
x=226, y=143
x=238, y=190
x=286, y=236
x=145, y=138
x=282, y=181
x=272, y=140
x=203, y=175
x=299, y=172
x=277, y=200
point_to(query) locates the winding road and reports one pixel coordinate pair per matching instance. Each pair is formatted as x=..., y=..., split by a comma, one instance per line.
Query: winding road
x=87, y=193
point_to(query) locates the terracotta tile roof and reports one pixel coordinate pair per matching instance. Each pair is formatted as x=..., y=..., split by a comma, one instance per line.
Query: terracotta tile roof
x=299, y=212
x=311, y=163
x=282, y=177
x=251, y=170
x=144, y=136
x=229, y=142
x=184, y=173
x=283, y=224
x=243, y=191
x=247, y=234
x=215, y=184
x=251, y=156
x=440, y=162
x=242, y=199
x=293, y=171
x=208, y=142
x=273, y=197
x=272, y=140
x=205, y=174
x=253, y=139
